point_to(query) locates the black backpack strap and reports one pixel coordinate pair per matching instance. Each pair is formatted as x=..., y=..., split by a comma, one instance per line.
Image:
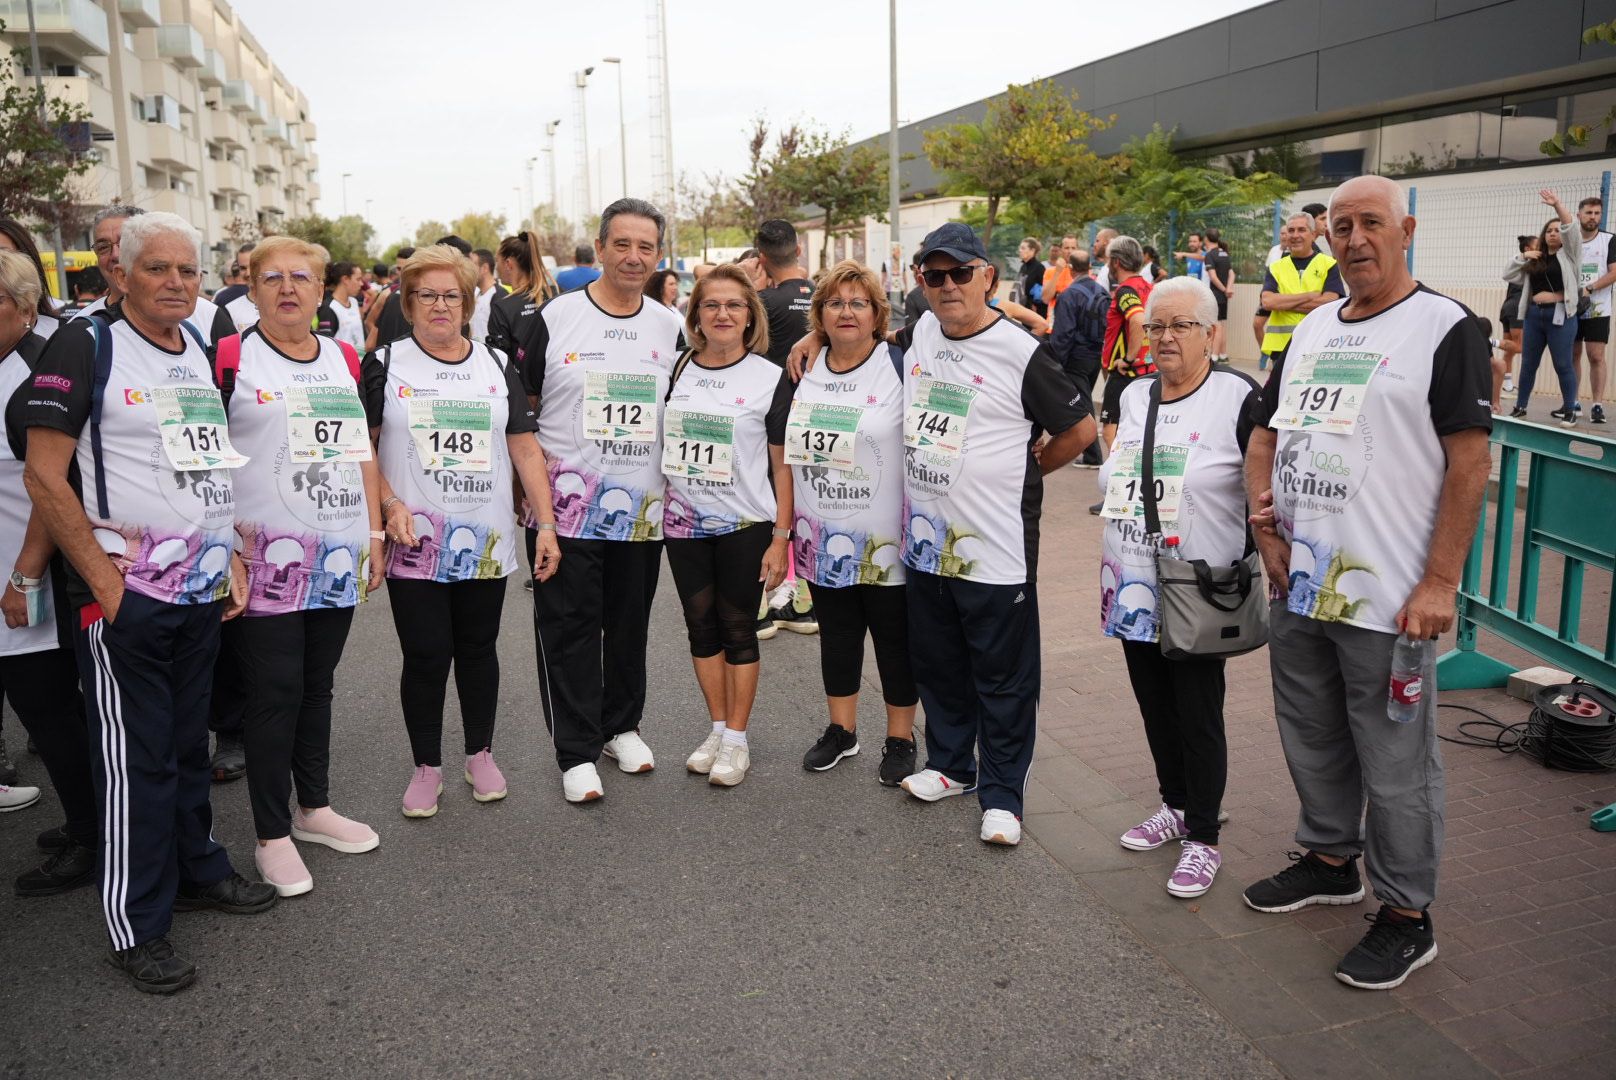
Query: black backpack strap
x=895, y=354
x=678, y=370
x=103, y=374
x=1147, y=463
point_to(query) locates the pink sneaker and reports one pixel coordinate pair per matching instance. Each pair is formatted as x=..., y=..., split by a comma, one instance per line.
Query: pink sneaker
x=1197, y=866
x=323, y=825
x=487, y=782
x=281, y=866
x=421, y=797
x=1164, y=825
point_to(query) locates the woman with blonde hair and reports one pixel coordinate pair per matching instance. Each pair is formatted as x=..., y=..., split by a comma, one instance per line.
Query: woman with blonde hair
x=727, y=512
x=453, y=432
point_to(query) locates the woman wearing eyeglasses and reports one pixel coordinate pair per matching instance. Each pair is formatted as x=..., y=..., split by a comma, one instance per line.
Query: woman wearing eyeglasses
x=727, y=511
x=452, y=426
x=1201, y=427
x=844, y=443
x=308, y=520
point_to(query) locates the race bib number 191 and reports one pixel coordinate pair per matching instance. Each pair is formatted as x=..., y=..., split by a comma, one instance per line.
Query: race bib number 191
x=196, y=436
x=1325, y=391
x=451, y=434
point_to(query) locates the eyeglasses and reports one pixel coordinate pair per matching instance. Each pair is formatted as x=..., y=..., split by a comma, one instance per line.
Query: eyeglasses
x=428, y=298
x=959, y=275
x=1180, y=328
x=301, y=279
x=857, y=307
x=728, y=307
x=103, y=247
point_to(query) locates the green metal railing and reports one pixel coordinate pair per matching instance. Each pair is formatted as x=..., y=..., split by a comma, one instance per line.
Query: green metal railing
x=1570, y=511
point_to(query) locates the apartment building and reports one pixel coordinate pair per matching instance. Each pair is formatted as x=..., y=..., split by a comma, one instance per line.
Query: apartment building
x=188, y=113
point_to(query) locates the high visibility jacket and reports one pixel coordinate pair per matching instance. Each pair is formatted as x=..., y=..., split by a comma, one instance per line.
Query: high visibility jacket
x=1277, y=335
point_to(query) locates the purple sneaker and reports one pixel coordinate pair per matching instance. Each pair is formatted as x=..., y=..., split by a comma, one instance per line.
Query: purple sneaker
x=421, y=797
x=1197, y=866
x=1164, y=825
x=487, y=782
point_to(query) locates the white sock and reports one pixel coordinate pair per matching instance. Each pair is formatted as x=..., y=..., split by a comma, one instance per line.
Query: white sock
x=718, y=727
x=734, y=738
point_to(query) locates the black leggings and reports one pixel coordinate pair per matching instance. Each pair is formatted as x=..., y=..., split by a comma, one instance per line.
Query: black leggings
x=287, y=665
x=439, y=623
x=717, y=579
x=43, y=688
x=1182, y=705
x=844, y=615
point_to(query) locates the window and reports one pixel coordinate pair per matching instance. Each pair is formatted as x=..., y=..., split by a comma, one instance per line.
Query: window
x=1450, y=141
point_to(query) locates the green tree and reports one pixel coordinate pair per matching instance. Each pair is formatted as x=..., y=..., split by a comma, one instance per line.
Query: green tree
x=761, y=195
x=346, y=238
x=708, y=205
x=1576, y=136
x=479, y=229
x=44, y=146
x=557, y=236
x=390, y=252
x=1157, y=183
x=847, y=183
x=430, y=232
x=1031, y=146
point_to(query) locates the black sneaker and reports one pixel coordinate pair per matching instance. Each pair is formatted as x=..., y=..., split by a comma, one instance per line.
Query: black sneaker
x=53, y=840
x=1517, y=413
x=154, y=967
x=1096, y=508
x=1395, y=946
x=765, y=627
x=1567, y=417
x=832, y=747
x=1596, y=415
x=897, y=761
x=1308, y=880
x=68, y=869
x=798, y=622
x=8, y=771
x=235, y=894
x=229, y=759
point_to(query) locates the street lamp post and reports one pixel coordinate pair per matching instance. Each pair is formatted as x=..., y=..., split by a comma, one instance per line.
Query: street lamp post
x=345, y=193
x=585, y=197
x=530, y=162
x=622, y=131
x=555, y=193
x=894, y=256
x=44, y=120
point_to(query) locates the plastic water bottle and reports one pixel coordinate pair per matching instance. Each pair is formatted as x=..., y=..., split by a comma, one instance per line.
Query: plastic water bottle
x=1410, y=659
x=1171, y=544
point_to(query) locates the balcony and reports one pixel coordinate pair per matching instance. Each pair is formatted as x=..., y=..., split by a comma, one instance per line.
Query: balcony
x=174, y=202
x=308, y=131
x=75, y=27
x=229, y=178
x=181, y=45
x=82, y=90
x=271, y=198
x=275, y=131
x=140, y=14
x=212, y=72
x=239, y=97
x=226, y=128
x=170, y=149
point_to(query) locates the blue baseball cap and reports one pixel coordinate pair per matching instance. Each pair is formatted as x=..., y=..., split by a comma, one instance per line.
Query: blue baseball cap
x=954, y=239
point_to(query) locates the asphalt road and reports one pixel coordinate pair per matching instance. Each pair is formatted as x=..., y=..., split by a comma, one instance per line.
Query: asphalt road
x=801, y=924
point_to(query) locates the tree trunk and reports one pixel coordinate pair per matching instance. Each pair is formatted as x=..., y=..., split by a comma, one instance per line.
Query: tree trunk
x=993, y=214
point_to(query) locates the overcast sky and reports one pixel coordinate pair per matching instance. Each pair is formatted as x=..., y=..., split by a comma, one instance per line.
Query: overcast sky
x=436, y=107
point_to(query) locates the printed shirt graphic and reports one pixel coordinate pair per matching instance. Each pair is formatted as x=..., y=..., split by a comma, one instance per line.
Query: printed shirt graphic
x=169, y=531
x=975, y=515
x=602, y=488
x=1596, y=260
x=464, y=518
x=1208, y=428
x=849, y=522
x=15, y=505
x=1360, y=508
x=303, y=525
x=754, y=396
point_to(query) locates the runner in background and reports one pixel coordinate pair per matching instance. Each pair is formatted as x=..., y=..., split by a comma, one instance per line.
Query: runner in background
x=1597, y=274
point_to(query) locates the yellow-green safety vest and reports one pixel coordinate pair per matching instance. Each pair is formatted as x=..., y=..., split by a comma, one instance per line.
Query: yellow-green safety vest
x=1281, y=324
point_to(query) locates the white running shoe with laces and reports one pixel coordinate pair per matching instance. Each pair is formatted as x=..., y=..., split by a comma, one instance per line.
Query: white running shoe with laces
x=929, y=785
x=731, y=764
x=630, y=752
x=1001, y=827
x=581, y=783
x=701, y=761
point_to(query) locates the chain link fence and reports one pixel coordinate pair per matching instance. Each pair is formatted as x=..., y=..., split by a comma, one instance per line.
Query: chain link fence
x=1466, y=235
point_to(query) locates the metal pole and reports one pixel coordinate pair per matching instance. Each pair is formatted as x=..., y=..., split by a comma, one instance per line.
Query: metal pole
x=1413, y=197
x=622, y=130
x=530, y=162
x=44, y=121
x=667, y=138
x=555, y=192
x=1604, y=198
x=345, y=193
x=894, y=255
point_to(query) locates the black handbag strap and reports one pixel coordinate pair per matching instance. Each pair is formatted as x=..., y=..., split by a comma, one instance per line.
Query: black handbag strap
x=1237, y=589
x=1147, y=463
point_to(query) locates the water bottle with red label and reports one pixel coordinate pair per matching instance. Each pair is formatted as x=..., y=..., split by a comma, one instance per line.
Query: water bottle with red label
x=1411, y=661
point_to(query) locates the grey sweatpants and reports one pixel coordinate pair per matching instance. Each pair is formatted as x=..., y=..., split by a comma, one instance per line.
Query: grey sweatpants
x=1330, y=684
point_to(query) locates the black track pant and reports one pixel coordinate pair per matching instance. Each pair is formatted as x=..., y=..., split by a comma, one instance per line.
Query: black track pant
x=442, y=624
x=1182, y=705
x=287, y=664
x=717, y=579
x=591, y=621
x=845, y=614
x=43, y=689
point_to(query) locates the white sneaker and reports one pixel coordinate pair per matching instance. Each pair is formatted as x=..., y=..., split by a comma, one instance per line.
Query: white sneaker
x=1509, y=384
x=16, y=798
x=630, y=752
x=1000, y=827
x=929, y=785
x=730, y=767
x=581, y=783
x=702, y=760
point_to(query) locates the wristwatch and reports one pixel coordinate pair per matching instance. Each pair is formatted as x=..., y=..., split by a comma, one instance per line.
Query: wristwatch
x=22, y=584
x=781, y=534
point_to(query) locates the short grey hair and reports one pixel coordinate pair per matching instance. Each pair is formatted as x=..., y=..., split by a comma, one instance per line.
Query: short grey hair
x=116, y=210
x=1205, y=307
x=19, y=280
x=1127, y=251
x=1311, y=223
x=634, y=208
x=1396, y=197
x=142, y=229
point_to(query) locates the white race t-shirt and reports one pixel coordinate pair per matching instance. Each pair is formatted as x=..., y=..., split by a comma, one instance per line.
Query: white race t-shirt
x=1595, y=261
x=605, y=478
x=350, y=323
x=460, y=493
x=849, y=522
x=300, y=508
x=479, y=313
x=717, y=430
x=1200, y=444
x=15, y=506
x=1359, y=506
x=242, y=311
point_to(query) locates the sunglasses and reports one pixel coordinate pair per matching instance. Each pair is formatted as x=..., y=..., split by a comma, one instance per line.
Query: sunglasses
x=959, y=275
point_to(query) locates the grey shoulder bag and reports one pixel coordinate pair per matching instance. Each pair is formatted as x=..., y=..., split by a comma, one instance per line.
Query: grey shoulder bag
x=1204, y=612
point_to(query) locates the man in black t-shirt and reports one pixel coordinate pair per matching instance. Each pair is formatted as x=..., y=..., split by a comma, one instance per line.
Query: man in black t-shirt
x=789, y=293
x=1220, y=277
x=1032, y=277
x=915, y=304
